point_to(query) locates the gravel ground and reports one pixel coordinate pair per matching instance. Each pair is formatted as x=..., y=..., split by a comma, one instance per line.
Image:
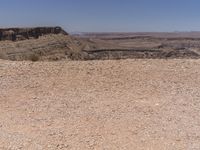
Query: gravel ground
x=119, y=104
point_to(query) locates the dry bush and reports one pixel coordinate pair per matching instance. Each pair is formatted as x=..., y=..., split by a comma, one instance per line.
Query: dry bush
x=34, y=57
x=3, y=55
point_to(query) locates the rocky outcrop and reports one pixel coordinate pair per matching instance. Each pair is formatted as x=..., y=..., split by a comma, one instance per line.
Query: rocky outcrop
x=16, y=34
x=109, y=54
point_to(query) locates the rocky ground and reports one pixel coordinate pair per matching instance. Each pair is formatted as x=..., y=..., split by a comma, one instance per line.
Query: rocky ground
x=54, y=47
x=114, y=104
x=48, y=47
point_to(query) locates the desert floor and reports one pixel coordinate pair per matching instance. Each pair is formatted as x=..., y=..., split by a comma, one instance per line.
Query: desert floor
x=111, y=105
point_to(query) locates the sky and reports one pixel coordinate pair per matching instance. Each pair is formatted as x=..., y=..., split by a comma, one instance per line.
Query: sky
x=103, y=15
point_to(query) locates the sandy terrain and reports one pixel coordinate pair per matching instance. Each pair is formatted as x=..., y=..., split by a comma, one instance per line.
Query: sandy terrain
x=122, y=104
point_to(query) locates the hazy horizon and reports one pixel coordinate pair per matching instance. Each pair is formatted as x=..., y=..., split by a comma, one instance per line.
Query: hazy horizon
x=103, y=16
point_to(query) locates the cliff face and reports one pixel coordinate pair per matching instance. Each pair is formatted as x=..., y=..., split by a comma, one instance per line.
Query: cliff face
x=17, y=34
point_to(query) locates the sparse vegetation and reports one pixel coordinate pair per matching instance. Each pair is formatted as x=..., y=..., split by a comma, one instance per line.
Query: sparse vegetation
x=3, y=55
x=34, y=57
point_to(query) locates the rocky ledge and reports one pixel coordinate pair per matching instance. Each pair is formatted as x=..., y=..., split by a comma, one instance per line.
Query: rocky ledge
x=17, y=34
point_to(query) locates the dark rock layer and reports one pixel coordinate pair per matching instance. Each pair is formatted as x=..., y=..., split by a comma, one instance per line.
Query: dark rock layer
x=16, y=34
x=107, y=54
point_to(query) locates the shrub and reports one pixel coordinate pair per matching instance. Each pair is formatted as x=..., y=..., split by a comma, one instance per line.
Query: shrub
x=3, y=56
x=34, y=57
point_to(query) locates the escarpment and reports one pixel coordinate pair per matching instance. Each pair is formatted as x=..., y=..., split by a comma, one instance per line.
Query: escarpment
x=17, y=34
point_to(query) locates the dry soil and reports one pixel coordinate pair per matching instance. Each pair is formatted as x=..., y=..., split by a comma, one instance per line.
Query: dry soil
x=111, y=105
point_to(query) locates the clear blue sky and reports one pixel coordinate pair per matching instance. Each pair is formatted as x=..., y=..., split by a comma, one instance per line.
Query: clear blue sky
x=103, y=15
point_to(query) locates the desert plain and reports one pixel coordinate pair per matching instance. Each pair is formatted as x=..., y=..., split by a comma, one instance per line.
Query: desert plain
x=54, y=98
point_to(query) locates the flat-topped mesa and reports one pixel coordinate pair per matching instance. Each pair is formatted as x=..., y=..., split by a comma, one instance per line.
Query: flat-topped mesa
x=17, y=34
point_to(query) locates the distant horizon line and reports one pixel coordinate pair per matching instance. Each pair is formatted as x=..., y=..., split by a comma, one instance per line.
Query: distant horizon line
x=79, y=32
x=85, y=32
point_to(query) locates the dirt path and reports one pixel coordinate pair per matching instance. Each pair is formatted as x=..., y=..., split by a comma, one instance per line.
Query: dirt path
x=122, y=104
